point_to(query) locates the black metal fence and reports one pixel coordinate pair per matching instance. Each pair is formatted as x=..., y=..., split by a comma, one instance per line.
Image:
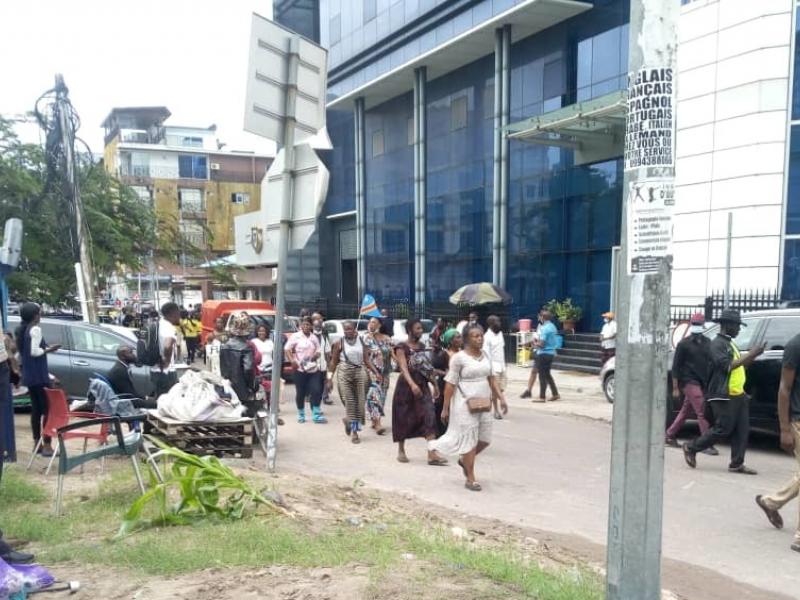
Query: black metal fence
x=400, y=309
x=741, y=300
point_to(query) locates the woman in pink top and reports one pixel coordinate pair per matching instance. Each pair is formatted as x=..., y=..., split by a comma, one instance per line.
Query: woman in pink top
x=303, y=350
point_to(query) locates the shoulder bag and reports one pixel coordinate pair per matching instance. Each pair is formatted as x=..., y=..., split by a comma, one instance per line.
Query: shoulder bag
x=477, y=404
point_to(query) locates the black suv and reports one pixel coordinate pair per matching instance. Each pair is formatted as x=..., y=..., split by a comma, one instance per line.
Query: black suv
x=775, y=328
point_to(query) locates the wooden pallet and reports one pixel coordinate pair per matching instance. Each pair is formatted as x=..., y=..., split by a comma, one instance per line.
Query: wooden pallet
x=231, y=439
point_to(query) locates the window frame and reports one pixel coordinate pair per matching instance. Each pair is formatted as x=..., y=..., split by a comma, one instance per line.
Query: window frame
x=75, y=335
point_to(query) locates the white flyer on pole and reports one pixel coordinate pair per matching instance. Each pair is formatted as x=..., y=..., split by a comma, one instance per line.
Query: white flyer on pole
x=649, y=206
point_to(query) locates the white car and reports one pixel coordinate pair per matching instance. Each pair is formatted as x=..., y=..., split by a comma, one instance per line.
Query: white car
x=400, y=334
x=335, y=328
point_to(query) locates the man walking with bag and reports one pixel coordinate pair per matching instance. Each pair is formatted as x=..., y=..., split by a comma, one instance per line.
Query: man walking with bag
x=789, y=419
x=725, y=394
x=690, y=370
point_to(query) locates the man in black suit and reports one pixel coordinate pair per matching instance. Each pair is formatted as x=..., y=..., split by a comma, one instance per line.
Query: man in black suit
x=120, y=378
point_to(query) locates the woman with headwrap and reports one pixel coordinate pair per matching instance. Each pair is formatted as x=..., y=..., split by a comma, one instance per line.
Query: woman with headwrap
x=450, y=342
x=378, y=344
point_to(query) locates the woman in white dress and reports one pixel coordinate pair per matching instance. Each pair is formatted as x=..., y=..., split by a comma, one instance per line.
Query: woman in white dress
x=469, y=376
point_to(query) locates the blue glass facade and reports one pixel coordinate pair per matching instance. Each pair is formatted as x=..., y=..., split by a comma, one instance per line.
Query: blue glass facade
x=394, y=31
x=460, y=179
x=563, y=219
x=790, y=290
x=340, y=163
x=389, y=215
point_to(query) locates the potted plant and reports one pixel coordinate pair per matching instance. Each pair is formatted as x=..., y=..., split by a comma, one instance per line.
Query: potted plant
x=566, y=312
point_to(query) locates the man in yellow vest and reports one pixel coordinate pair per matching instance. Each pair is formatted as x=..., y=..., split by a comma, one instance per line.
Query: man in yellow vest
x=726, y=396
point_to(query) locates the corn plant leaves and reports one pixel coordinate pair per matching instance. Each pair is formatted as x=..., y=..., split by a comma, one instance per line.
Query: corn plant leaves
x=202, y=487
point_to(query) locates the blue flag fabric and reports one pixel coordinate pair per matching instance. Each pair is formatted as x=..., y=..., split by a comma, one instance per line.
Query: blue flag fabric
x=369, y=307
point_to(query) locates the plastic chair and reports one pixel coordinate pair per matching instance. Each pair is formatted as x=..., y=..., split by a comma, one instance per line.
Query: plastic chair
x=100, y=436
x=126, y=445
x=58, y=416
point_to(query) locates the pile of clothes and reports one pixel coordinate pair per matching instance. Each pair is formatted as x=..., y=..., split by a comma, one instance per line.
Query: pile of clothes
x=201, y=396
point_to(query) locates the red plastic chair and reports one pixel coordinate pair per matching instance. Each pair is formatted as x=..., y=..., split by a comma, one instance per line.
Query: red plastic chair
x=58, y=416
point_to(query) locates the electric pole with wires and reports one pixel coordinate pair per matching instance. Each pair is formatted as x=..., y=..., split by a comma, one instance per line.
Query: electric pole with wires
x=60, y=127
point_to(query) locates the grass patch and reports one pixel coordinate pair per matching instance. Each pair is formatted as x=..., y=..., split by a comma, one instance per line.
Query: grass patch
x=85, y=534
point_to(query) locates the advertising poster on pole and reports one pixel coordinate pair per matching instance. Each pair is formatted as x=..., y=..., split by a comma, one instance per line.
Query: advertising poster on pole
x=650, y=205
x=650, y=126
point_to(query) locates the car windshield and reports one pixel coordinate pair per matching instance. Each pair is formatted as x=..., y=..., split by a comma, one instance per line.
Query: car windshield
x=288, y=325
x=745, y=338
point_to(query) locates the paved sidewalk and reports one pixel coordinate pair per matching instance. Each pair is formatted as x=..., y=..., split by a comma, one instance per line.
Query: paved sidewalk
x=581, y=394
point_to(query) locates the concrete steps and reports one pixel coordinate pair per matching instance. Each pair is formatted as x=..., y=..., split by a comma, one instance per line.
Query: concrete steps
x=581, y=352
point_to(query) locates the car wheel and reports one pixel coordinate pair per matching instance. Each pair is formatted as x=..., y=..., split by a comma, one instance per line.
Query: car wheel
x=609, y=387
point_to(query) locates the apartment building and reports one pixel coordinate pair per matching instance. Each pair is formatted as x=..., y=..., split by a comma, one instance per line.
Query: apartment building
x=190, y=178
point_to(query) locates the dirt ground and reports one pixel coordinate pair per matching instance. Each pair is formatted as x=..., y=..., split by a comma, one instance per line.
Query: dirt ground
x=319, y=503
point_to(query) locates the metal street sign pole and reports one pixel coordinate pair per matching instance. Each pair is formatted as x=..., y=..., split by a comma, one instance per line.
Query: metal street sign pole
x=283, y=246
x=637, y=448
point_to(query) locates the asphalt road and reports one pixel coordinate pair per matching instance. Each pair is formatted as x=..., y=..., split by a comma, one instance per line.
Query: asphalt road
x=550, y=472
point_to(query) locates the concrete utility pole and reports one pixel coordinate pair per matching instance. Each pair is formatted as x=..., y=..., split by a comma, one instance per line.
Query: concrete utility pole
x=64, y=112
x=289, y=122
x=637, y=449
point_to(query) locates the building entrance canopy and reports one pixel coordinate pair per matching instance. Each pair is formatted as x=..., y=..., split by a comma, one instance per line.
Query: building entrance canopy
x=594, y=128
x=526, y=18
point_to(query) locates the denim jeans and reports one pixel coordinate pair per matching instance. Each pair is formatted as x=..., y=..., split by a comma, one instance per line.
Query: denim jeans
x=307, y=384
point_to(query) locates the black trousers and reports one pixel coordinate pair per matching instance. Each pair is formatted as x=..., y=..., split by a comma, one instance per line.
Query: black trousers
x=192, y=344
x=38, y=411
x=731, y=420
x=544, y=363
x=307, y=384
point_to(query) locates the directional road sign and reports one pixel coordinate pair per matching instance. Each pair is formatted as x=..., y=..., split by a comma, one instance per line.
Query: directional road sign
x=268, y=79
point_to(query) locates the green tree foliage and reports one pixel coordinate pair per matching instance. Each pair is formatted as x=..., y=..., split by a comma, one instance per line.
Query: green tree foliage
x=124, y=230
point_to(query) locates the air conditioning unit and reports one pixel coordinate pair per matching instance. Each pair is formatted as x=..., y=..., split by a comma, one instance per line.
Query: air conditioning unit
x=214, y=166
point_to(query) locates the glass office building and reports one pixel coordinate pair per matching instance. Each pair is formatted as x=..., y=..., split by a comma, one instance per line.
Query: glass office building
x=562, y=215
x=462, y=151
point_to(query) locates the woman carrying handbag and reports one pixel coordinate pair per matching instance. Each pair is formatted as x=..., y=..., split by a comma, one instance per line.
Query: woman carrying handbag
x=467, y=405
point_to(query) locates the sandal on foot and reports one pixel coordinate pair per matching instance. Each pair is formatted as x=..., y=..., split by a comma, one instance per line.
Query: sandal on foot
x=773, y=515
x=402, y=458
x=381, y=431
x=473, y=486
x=355, y=439
x=437, y=462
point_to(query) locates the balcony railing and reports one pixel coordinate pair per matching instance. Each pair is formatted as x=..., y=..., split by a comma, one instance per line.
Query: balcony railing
x=151, y=172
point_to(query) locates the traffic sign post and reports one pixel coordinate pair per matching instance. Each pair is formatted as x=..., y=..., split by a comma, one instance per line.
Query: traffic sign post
x=286, y=87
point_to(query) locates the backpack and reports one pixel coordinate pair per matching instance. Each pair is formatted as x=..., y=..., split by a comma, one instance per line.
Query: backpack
x=148, y=350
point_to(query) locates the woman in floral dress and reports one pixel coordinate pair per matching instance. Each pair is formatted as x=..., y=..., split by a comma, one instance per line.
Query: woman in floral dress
x=379, y=347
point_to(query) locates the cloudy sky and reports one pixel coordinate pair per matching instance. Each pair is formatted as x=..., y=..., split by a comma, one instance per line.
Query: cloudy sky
x=190, y=56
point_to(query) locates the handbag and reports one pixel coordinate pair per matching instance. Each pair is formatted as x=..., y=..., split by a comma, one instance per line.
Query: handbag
x=477, y=404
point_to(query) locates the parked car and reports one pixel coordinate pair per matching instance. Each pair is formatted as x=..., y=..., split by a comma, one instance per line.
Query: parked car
x=607, y=379
x=335, y=328
x=400, y=334
x=85, y=349
x=772, y=327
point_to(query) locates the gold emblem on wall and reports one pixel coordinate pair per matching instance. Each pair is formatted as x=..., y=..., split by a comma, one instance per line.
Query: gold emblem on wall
x=256, y=239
